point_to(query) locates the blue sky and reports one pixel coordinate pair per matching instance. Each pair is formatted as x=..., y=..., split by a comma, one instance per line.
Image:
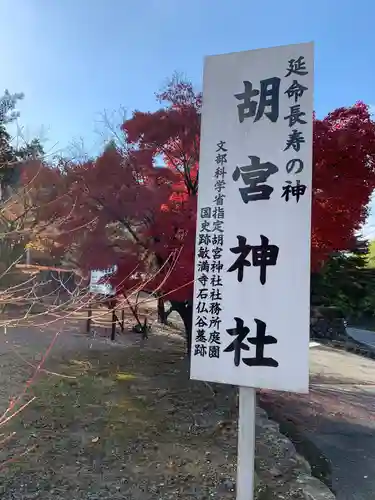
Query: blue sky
x=74, y=59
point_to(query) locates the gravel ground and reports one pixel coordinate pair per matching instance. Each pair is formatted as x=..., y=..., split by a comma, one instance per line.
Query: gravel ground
x=130, y=425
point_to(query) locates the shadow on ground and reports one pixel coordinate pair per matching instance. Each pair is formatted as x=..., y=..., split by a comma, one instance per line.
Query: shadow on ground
x=130, y=425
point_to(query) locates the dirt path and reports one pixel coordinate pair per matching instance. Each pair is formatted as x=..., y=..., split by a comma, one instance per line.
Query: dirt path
x=338, y=416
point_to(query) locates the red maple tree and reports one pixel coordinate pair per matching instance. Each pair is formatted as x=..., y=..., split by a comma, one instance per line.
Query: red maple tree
x=124, y=208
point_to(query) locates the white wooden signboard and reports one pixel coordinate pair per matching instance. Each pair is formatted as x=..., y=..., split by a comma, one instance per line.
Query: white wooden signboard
x=252, y=262
x=101, y=288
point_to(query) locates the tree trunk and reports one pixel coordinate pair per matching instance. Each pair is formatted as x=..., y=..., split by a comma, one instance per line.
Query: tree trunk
x=162, y=317
x=185, y=310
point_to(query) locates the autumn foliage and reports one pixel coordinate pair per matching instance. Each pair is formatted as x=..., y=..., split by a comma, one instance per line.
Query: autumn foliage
x=343, y=178
x=135, y=205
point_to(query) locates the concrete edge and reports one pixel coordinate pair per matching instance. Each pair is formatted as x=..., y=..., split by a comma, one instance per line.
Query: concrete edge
x=321, y=466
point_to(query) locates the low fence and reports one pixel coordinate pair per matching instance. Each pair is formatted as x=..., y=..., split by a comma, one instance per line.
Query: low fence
x=38, y=286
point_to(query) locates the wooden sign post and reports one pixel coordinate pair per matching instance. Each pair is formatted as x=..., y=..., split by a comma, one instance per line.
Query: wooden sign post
x=100, y=285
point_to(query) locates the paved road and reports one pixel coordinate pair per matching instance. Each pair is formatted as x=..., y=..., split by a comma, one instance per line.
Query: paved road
x=339, y=416
x=364, y=336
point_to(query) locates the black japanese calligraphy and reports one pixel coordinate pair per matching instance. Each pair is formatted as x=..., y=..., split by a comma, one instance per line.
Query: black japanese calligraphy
x=214, y=338
x=201, y=337
x=205, y=226
x=220, y=147
x=218, y=239
x=221, y=158
x=209, y=295
x=254, y=177
x=295, y=115
x=215, y=308
x=263, y=255
x=218, y=213
x=217, y=226
x=220, y=172
x=216, y=252
x=215, y=293
x=203, y=279
x=295, y=140
x=203, y=266
x=201, y=307
x=237, y=345
x=214, y=351
x=295, y=90
x=243, y=250
x=204, y=239
x=216, y=280
x=260, y=340
x=215, y=322
x=205, y=213
x=294, y=191
x=219, y=199
x=297, y=67
x=268, y=100
x=201, y=322
x=295, y=162
x=217, y=266
x=219, y=185
x=200, y=350
x=203, y=253
x=202, y=293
